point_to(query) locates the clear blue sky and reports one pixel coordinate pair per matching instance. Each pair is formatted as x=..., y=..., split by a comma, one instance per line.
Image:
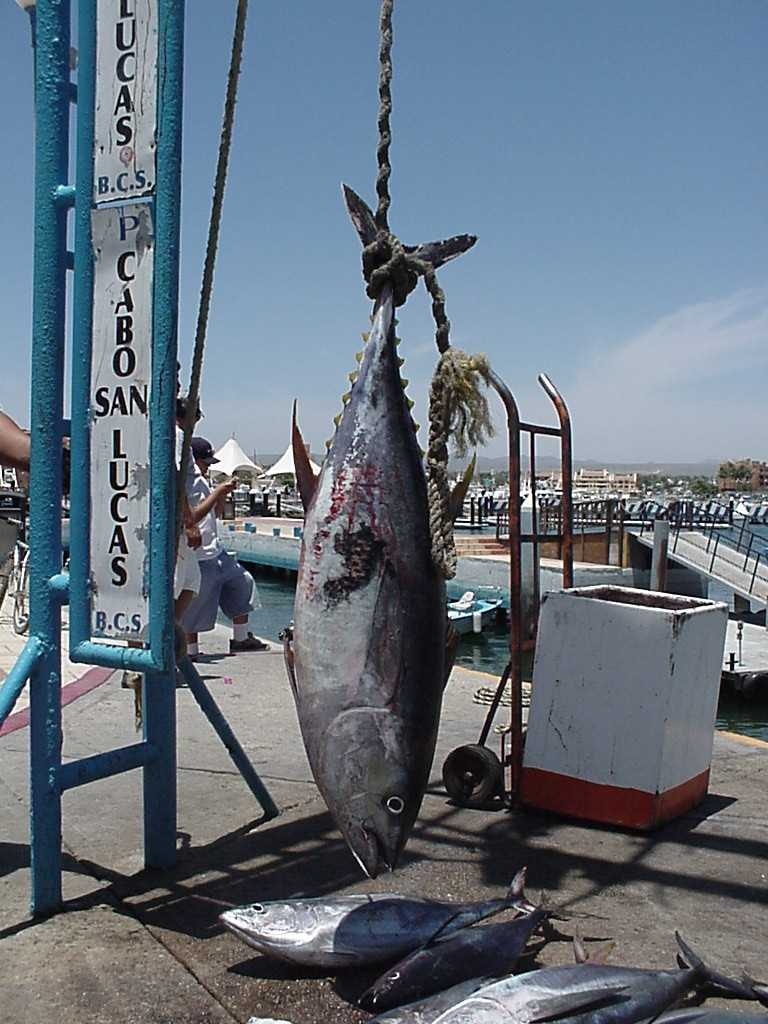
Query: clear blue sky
x=611, y=157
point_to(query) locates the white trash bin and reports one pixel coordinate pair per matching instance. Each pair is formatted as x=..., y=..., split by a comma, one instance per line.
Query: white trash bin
x=625, y=687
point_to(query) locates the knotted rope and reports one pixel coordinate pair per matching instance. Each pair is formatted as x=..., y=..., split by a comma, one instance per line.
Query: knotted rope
x=456, y=404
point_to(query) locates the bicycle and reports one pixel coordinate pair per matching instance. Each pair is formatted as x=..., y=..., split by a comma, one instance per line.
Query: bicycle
x=17, y=583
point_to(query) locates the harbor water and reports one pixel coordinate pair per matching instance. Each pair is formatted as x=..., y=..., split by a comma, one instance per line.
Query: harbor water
x=485, y=652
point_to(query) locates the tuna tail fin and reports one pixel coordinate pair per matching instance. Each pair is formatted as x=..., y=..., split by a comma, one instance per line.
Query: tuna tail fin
x=687, y=958
x=459, y=492
x=436, y=253
x=305, y=476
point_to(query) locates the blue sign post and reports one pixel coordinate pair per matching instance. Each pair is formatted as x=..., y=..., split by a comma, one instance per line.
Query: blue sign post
x=152, y=653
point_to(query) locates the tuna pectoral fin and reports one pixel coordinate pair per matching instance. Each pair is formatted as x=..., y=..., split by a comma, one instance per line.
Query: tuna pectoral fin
x=305, y=475
x=459, y=492
x=555, y=1006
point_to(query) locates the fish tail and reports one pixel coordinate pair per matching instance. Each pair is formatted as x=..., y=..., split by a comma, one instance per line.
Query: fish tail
x=688, y=958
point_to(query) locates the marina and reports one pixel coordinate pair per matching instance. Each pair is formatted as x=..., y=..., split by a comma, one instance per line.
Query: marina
x=426, y=722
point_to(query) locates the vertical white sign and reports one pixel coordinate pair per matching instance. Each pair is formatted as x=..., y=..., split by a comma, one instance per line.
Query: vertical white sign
x=126, y=99
x=123, y=246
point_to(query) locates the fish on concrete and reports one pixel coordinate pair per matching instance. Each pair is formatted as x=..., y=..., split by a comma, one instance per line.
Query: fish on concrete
x=342, y=931
x=429, y=1009
x=369, y=638
x=490, y=951
x=584, y=993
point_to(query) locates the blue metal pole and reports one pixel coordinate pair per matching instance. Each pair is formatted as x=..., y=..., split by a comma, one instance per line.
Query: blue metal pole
x=48, y=343
x=162, y=410
x=17, y=678
x=106, y=764
x=79, y=490
x=160, y=802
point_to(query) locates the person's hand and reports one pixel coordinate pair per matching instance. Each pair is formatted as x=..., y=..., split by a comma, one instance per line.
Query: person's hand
x=226, y=488
x=194, y=538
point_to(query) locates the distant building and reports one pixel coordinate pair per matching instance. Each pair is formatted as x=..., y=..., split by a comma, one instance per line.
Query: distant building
x=601, y=481
x=743, y=475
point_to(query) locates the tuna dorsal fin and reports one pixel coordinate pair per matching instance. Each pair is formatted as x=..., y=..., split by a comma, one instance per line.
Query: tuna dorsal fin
x=459, y=492
x=305, y=476
x=516, y=889
x=580, y=954
x=598, y=956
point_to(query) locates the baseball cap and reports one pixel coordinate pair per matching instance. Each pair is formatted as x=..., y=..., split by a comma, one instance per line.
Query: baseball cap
x=202, y=450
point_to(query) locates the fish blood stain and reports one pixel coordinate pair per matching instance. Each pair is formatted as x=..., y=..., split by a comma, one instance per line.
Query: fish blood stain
x=361, y=552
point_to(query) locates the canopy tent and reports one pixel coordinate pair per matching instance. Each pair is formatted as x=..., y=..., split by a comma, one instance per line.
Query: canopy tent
x=285, y=467
x=232, y=459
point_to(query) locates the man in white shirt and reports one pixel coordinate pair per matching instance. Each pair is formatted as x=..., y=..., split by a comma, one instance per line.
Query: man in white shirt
x=224, y=584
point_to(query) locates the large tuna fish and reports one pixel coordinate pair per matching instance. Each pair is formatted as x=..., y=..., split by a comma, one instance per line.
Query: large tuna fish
x=368, y=658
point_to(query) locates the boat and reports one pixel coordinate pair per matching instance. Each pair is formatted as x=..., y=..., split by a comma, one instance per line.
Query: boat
x=471, y=615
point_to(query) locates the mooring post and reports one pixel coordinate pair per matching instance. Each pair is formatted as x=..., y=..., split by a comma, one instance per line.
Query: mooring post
x=659, y=556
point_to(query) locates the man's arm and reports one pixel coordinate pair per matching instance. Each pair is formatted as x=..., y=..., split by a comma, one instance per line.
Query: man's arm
x=199, y=512
x=14, y=444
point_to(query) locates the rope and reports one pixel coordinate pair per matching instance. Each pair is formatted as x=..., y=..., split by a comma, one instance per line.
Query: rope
x=456, y=402
x=459, y=409
x=214, y=226
x=385, y=109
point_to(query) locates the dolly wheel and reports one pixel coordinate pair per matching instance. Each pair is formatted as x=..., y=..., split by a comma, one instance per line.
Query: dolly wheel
x=472, y=774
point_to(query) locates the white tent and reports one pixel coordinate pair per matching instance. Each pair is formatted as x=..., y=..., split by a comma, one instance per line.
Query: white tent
x=232, y=459
x=285, y=467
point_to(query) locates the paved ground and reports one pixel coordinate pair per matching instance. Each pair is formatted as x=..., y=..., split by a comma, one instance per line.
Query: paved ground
x=146, y=947
x=11, y=646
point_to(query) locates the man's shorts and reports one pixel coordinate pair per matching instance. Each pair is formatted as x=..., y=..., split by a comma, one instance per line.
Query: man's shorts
x=187, y=575
x=225, y=585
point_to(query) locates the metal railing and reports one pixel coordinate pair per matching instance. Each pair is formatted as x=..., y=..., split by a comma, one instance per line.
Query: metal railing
x=714, y=528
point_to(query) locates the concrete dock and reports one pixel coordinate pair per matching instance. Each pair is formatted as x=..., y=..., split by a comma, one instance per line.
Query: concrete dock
x=146, y=947
x=745, y=660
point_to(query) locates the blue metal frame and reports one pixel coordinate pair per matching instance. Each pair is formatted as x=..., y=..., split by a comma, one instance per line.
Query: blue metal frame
x=52, y=97
x=40, y=662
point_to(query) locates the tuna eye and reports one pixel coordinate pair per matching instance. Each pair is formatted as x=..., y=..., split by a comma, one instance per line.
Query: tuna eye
x=395, y=804
x=257, y=908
